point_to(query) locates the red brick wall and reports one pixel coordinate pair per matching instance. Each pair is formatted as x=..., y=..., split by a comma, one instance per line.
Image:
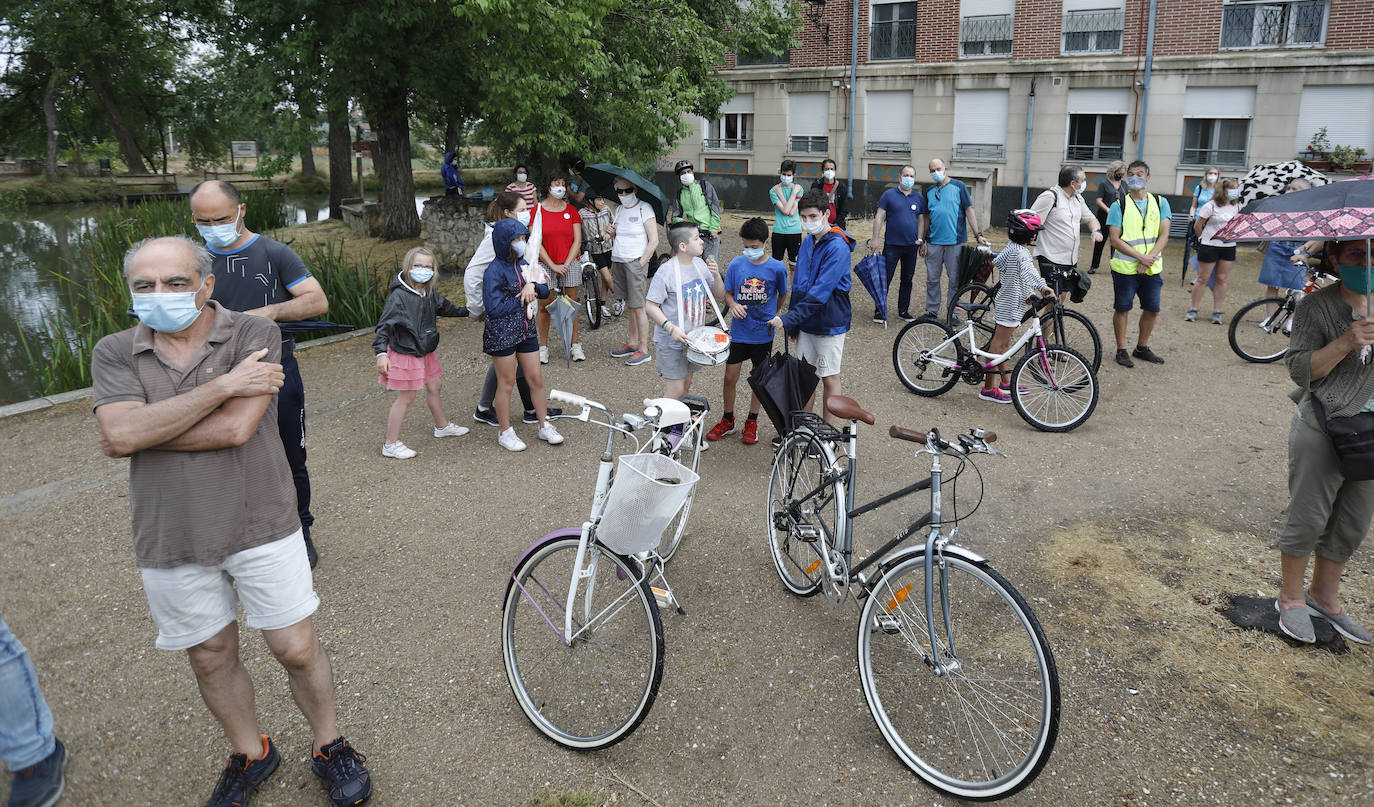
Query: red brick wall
x=1185, y=27
x=811, y=49
x=1350, y=25
x=937, y=31
x=1036, y=32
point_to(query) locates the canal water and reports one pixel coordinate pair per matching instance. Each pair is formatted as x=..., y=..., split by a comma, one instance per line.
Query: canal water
x=37, y=245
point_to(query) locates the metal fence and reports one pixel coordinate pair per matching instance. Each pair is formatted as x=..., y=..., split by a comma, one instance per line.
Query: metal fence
x=991, y=152
x=807, y=144
x=1273, y=24
x=1094, y=31
x=892, y=40
x=985, y=35
x=1205, y=156
x=1093, y=154
x=728, y=144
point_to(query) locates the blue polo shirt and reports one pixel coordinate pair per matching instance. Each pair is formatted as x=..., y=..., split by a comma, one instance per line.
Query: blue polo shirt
x=903, y=211
x=947, y=205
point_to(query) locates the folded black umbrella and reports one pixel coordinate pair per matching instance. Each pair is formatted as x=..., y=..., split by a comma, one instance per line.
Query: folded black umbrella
x=306, y=325
x=783, y=383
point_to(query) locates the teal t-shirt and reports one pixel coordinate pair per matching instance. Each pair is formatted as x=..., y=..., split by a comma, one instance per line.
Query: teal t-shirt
x=785, y=225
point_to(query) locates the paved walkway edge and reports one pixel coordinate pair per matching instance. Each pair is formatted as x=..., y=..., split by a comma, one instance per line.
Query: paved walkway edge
x=37, y=404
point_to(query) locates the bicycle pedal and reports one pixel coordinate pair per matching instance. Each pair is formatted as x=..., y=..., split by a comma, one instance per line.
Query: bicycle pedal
x=888, y=623
x=808, y=533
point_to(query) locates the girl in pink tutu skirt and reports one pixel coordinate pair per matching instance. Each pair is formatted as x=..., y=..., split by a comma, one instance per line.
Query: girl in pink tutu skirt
x=407, y=335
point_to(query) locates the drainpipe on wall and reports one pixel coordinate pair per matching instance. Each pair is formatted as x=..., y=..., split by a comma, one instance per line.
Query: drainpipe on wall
x=1030, y=127
x=1145, y=90
x=853, y=82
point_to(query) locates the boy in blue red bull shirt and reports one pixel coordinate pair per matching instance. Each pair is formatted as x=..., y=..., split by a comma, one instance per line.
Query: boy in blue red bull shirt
x=755, y=286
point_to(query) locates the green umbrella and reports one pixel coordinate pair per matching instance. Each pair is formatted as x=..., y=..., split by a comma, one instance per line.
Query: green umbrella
x=602, y=177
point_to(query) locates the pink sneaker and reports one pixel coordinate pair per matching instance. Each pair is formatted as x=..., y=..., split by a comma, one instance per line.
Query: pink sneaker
x=1007, y=389
x=995, y=395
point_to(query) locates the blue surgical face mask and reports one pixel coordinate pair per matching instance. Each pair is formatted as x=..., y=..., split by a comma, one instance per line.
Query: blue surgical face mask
x=785, y=179
x=519, y=247
x=421, y=274
x=908, y=183
x=1233, y=194
x=752, y=253
x=938, y=176
x=1136, y=183
x=167, y=311
x=1354, y=276
x=220, y=235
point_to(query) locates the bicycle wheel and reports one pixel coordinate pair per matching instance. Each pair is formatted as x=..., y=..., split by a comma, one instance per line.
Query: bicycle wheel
x=805, y=511
x=591, y=295
x=1259, y=330
x=1079, y=334
x=690, y=456
x=983, y=726
x=925, y=358
x=973, y=302
x=593, y=691
x=1056, y=394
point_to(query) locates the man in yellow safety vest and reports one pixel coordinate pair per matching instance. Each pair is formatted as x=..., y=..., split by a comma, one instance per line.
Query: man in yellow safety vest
x=1139, y=227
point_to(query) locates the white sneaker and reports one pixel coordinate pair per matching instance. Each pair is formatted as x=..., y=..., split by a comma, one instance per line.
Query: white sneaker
x=606, y=312
x=577, y=354
x=618, y=308
x=509, y=441
x=544, y=355
x=451, y=430
x=549, y=434
x=397, y=451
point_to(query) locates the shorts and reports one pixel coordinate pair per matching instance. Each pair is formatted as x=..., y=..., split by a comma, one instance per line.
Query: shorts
x=739, y=351
x=192, y=603
x=407, y=372
x=822, y=352
x=602, y=260
x=530, y=345
x=1128, y=287
x=1207, y=253
x=788, y=244
x=672, y=362
x=631, y=281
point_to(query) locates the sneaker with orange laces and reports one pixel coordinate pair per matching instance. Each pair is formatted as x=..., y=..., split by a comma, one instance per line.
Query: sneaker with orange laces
x=721, y=429
x=751, y=432
x=242, y=775
x=341, y=771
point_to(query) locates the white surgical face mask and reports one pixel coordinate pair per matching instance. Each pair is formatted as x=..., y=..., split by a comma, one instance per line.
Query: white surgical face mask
x=786, y=179
x=829, y=174
x=558, y=191
x=629, y=200
x=687, y=177
x=1211, y=178
x=938, y=176
x=814, y=227
x=520, y=177
x=523, y=217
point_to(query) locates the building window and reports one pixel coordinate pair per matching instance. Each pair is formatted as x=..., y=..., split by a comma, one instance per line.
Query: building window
x=733, y=131
x=808, y=144
x=888, y=122
x=1215, y=141
x=980, y=125
x=1096, y=138
x=1096, y=30
x=763, y=59
x=1273, y=24
x=892, y=33
x=986, y=35
x=808, y=122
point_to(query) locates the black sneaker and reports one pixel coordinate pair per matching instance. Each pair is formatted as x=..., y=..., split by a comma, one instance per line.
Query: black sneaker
x=310, y=552
x=1123, y=358
x=487, y=416
x=906, y=316
x=242, y=775
x=1144, y=353
x=531, y=418
x=40, y=785
x=341, y=771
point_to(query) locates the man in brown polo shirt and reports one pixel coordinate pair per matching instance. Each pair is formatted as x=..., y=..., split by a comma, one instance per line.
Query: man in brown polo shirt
x=189, y=395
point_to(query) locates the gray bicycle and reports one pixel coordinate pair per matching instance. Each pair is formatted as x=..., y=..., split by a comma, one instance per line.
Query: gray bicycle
x=955, y=668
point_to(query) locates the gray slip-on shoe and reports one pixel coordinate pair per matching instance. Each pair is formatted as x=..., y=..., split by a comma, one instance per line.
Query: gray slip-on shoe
x=1342, y=622
x=1296, y=623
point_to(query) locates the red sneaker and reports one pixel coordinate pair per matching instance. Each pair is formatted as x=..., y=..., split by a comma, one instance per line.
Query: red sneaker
x=751, y=432
x=724, y=427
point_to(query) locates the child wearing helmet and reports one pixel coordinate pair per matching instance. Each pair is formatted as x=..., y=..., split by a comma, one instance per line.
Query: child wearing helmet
x=1020, y=279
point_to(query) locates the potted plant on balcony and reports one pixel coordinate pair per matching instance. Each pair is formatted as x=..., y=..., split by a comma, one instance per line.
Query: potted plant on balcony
x=1349, y=158
x=1317, y=155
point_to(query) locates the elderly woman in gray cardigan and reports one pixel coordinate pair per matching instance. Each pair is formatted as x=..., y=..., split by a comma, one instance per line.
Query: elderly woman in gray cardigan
x=1329, y=515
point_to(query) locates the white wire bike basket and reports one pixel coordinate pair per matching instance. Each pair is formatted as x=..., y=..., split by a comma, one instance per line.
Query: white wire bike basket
x=649, y=489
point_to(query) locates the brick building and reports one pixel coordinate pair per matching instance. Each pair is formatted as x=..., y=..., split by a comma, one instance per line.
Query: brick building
x=1232, y=83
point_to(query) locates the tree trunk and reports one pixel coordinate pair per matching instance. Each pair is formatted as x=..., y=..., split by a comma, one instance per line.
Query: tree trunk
x=340, y=152
x=50, y=124
x=128, y=147
x=309, y=112
x=391, y=156
x=451, y=135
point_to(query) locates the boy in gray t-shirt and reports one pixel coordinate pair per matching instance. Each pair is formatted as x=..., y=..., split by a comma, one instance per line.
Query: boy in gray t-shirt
x=677, y=302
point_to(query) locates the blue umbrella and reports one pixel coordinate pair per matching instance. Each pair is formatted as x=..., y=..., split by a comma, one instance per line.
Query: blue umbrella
x=872, y=273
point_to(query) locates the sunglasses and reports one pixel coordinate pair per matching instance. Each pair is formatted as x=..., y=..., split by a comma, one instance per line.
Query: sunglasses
x=623, y=191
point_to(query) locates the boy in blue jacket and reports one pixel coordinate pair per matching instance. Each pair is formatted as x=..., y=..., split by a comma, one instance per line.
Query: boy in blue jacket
x=453, y=181
x=818, y=316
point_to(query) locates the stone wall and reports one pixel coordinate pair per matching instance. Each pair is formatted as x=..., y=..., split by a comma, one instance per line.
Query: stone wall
x=452, y=227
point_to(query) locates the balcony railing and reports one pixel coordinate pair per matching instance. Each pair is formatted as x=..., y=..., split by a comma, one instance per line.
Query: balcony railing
x=888, y=147
x=808, y=144
x=1094, y=31
x=1227, y=157
x=988, y=152
x=987, y=35
x=763, y=59
x=1273, y=24
x=727, y=144
x=892, y=40
x=1093, y=153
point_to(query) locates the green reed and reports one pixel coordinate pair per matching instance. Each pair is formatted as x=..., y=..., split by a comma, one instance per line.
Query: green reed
x=356, y=288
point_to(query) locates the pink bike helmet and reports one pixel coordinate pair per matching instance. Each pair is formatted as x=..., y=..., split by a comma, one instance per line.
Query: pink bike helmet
x=1022, y=224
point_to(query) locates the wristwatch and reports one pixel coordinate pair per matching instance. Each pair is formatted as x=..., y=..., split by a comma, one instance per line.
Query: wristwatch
x=978, y=234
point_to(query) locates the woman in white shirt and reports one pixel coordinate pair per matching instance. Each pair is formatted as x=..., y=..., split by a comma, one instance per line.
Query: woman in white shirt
x=1214, y=254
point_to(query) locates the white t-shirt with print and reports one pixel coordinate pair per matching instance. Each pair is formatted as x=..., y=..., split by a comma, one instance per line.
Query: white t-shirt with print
x=631, y=234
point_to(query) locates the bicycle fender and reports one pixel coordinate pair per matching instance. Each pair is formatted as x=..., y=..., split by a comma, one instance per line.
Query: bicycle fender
x=917, y=551
x=566, y=532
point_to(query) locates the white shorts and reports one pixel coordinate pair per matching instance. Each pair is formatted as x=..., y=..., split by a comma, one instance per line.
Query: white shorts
x=822, y=352
x=192, y=603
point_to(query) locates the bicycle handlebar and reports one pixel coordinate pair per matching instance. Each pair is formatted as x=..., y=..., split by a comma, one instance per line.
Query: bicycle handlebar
x=975, y=442
x=573, y=400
